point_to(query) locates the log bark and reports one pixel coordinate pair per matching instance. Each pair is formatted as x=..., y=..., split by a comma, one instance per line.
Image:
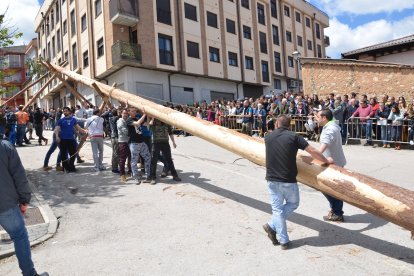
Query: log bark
x=24, y=90
x=380, y=198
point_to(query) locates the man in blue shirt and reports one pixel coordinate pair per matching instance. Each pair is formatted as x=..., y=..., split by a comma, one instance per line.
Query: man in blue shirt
x=65, y=138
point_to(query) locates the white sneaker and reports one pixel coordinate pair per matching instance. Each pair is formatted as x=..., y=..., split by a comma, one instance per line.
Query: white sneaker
x=412, y=143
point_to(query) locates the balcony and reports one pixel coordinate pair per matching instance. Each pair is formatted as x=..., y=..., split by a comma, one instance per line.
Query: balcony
x=123, y=12
x=125, y=52
x=327, y=41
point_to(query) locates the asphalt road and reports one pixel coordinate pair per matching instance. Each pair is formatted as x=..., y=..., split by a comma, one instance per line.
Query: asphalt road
x=211, y=222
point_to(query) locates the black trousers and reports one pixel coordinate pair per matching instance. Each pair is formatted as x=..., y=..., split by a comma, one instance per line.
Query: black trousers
x=68, y=146
x=165, y=148
x=39, y=132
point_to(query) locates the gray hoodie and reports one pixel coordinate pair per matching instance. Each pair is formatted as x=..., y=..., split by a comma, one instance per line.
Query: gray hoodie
x=122, y=131
x=14, y=187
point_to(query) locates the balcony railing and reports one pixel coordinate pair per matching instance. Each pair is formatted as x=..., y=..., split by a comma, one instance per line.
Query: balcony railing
x=125, y=51
x=123, y=12
x=327, y=41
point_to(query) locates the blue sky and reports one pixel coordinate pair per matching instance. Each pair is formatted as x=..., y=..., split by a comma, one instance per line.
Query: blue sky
x=353, y=23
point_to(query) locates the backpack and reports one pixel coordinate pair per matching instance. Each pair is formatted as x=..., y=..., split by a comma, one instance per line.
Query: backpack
x=11, y=118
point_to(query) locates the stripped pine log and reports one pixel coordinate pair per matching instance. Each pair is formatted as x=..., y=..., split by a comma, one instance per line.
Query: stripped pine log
x=385, y=200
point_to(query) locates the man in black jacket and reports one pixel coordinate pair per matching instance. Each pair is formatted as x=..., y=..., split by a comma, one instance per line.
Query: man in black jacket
x=14, y=197
x=38, y=117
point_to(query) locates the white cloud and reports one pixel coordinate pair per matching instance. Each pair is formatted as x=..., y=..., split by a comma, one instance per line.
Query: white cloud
x=21, y=14
x=344, y=39
x=361, y=7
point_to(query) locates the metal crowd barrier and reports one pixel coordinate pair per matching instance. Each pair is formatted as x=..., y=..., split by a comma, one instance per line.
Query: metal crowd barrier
x=376, y=130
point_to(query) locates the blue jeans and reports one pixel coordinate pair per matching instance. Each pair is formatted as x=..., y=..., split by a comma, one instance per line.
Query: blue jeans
x=12, y=134
x=335, y=204
x=21, y=132
x=12, y=221
x=368, y=133
x=2, y=131
x=384, y=135
x=279, y=193
x=51, y=150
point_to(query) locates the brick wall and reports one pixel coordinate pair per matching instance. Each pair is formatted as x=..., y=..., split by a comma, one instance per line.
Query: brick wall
x=324, y=76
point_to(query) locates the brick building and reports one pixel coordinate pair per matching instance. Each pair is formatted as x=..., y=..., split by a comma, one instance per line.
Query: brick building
x=180, y=51
x=13, y=73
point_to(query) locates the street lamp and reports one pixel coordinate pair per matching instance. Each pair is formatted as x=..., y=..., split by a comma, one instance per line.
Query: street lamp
x=296, y=56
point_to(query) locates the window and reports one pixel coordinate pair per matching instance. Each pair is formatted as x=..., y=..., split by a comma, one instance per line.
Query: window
x=277, y=84
x=286, y=10
x=65, y=27
x=319, y=50
x=318, y=31
x=100, y=47
x=273, y=8
x=53, y=47
x=57, y=13
x=212, y=19
x=83, y=23
x=66, y=55
x=233, y=59
x=72, y=22
x=192, y=49
x=248, y=62
x=190, y=12
x=263, y=43
x=309, y=45
x=298, y=18
x=260, y=14
x=307, y=22
x=288, y=36
x=98, y=8
x=214, y=54
x=265, y=71
x=85, y=59
x=278, y=62
x=300, y=42
x=290, y=62
x=164, y=11
x=231, y=26
x=48, y=50
x=52, y=21
x=74, y=57
x=165, y=48
x=245, y=4
x=247, y=32
x=58, y=40
x=275, y=35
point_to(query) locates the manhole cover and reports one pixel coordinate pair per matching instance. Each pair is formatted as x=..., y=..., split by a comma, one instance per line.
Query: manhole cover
x=33, y=216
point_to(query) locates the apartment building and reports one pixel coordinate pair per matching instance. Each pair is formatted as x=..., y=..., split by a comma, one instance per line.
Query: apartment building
x=181, y=51
x=12, y=73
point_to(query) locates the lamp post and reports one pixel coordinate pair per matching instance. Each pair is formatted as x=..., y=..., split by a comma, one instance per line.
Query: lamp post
x=296, y=56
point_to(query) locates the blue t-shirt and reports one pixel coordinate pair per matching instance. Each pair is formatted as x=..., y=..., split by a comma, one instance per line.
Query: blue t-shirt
x=66, y=127
x=144, y=129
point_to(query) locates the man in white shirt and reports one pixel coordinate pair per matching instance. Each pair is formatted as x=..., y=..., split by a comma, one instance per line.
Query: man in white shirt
x=94, y=125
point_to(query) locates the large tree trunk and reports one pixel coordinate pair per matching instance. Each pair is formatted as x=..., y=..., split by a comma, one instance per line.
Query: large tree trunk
x=383, y=199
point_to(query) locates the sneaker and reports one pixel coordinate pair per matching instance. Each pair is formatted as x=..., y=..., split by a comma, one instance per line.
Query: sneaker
x=27, y=142
x=285, y=246
x=46, y=140
x=123, y=178
x=47, y=168
x=80, y=161
x=163, y=174
x=153, y=182
x=146, y=180
x=102, y=168
x=42, y=274
x=116, y=171
x=176, y=178
x=412, y=143
x=333, y=217
x=137, y=181
x=59, y=168
x=271, y=234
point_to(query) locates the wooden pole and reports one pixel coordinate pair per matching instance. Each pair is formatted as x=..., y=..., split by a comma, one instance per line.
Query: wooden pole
x=35, y=96
x=385, y=200
x=24, y=90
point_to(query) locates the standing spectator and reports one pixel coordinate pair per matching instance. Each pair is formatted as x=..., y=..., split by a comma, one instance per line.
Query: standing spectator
x=80, y=112
x=11, y=125
x=65, y=138
x=30, y=124
x=89, y=110
x=38, y=117
x=123, y=147
x=14, y=197
x=137, y=146
x=94, y=124
x=114, y=140
x=247, y=118
x=396, y=117
x=282, y=146
x=364, y=113
x=331, y=148
x=381, y=115
x=292, y=109
x=22, y=118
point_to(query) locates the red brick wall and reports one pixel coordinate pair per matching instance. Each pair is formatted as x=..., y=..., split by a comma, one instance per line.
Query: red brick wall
x=324, y=76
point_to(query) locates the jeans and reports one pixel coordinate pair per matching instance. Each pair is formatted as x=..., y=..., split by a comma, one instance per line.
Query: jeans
x=12, y=221
x=124, y=154
x=115, y=157
x=396, y=133
x=51, y=150
x=2, y=131
x=21, y=133
x=335, y=204
x=411, y=134
x=368, y=133
x=12, y=134
x=279, y=193
x=384, y=135
x=165, y=148
x=97, y=151
x=137, y=150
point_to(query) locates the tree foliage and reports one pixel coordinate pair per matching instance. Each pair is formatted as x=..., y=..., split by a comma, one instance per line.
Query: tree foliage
x=8, y=34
